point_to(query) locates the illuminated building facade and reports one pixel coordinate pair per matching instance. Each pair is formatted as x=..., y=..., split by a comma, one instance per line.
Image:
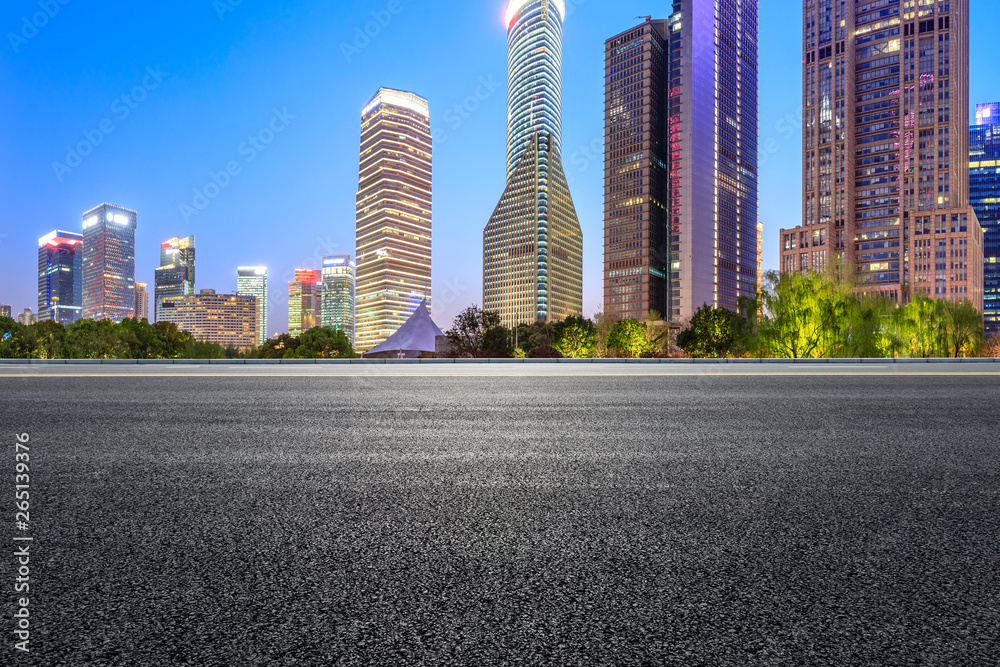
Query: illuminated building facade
x=141, y=302
x=984, y=194
x=60, y=277
x=5, y=310
x=885, y=145
x=338, y=294
x=252, y=281
x=305, y=301
x=225, y=319
x=109, y=263
x=680, y=213
x=393, y=215
x=175, y=277
x=532, y=244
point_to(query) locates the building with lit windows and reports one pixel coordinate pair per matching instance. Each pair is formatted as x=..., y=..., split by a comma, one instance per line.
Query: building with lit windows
x=393, y=215
x=109, y=263
x=175, y=276
x=885, y=146
x=984, y=194
x=680, y=203
x=5, y=310
x=27, y=318
x=142, y=301
x=338, y=294
x=225, y=319
x=532, y=244
x=252, y=281
x=305, y=301
x=60, y=277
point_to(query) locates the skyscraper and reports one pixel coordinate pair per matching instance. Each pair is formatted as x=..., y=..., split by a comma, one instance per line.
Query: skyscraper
x=393, y=214
x=4, y=310
x=226, y=319
x=338, y=294
x=60, y=277
x=27, y=318
x=984, y=194
x=680, y=202
x=885, y=146
x=141, y=302
x=532, y=244
x=305, y=301
x=109, y=263
x=175, y=277
x=252, y=281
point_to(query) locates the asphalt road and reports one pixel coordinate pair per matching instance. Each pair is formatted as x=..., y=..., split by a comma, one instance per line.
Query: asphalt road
x=519, y=518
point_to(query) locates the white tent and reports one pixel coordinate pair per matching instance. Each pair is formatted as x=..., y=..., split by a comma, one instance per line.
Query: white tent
x=415, y=338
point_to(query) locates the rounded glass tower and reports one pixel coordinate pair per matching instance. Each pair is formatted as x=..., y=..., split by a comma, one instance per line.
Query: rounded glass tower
x=534, y=74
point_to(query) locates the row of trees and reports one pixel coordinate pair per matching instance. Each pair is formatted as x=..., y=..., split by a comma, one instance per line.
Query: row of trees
x=138, y=339
x=816, y=315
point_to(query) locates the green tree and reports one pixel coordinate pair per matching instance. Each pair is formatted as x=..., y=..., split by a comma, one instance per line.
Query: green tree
x=627, y=339
x=324, y=343
x=574, y=337
x=468, y=334
x=282, y=347
x=964, y=328
x=711, y=333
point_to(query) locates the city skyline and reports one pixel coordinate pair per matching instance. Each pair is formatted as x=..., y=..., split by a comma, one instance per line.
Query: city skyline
x=476, y=86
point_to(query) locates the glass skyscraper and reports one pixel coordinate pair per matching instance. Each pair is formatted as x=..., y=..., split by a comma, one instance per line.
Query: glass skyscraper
x=252, y=281
x=984, y=195
x=305, y=301
x=60, y=277
x=175, y=277
x=393, y=215
x=338, y=294
x=109, y=263
x=532, y=244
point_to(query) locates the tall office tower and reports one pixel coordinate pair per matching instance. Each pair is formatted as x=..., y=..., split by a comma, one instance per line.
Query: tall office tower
x=27, y=318
x=532, y=244
x=680, y=183
x=305, y=301
x=60, y=277
x=4, y=310
x=175, y=277
x=338, y=293
x=226, y=319
x=141, y=301
x=393, y=214
x=109, y=263
x=252, y=281
x=885, y=146
x=984, y=194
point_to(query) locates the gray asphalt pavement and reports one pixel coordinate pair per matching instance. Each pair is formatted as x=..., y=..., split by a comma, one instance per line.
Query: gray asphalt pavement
x=507, y=518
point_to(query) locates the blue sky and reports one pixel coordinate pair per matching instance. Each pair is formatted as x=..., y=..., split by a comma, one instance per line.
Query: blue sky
x=183, y=86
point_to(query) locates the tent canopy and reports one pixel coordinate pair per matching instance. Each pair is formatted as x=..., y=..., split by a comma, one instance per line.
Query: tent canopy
x=417, y=335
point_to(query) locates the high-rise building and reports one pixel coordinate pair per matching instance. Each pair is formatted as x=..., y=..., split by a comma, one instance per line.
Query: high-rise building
x=680, y=182
x=5, y=310
x=393, y=215
x=60, y=277
x=141, y=302
x=532, y=244
x=885, y=146
x=226, y=319
x=109, y=263
x=175, y=277
x=305, y=301
x=27, y=318
x=338, y=293
x=984, y=194
x=252, y=281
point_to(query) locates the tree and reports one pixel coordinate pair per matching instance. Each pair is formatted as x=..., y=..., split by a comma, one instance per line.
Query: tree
x=282, y=347
x=497, y=343
x=964, y=328
x=467, y=337
x=711, y=333
x=324, y=343
x=627, y=338
x=790, y=325
x=574, y=337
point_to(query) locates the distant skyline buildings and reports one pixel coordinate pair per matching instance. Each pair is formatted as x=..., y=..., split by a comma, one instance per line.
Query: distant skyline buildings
x=984, y=195
x=305, y=301
x=176, y=274
x=338, y=275
x=60, y=277
x=252, y=281
x=109, y=263
x=224, y=319
x=394, y=215
x=533, y=244
x=141, y=301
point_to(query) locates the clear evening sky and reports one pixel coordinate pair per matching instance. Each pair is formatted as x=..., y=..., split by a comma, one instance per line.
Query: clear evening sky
x=183, y=86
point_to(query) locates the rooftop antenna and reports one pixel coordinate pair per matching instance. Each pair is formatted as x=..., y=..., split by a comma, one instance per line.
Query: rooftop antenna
x=648, y=18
